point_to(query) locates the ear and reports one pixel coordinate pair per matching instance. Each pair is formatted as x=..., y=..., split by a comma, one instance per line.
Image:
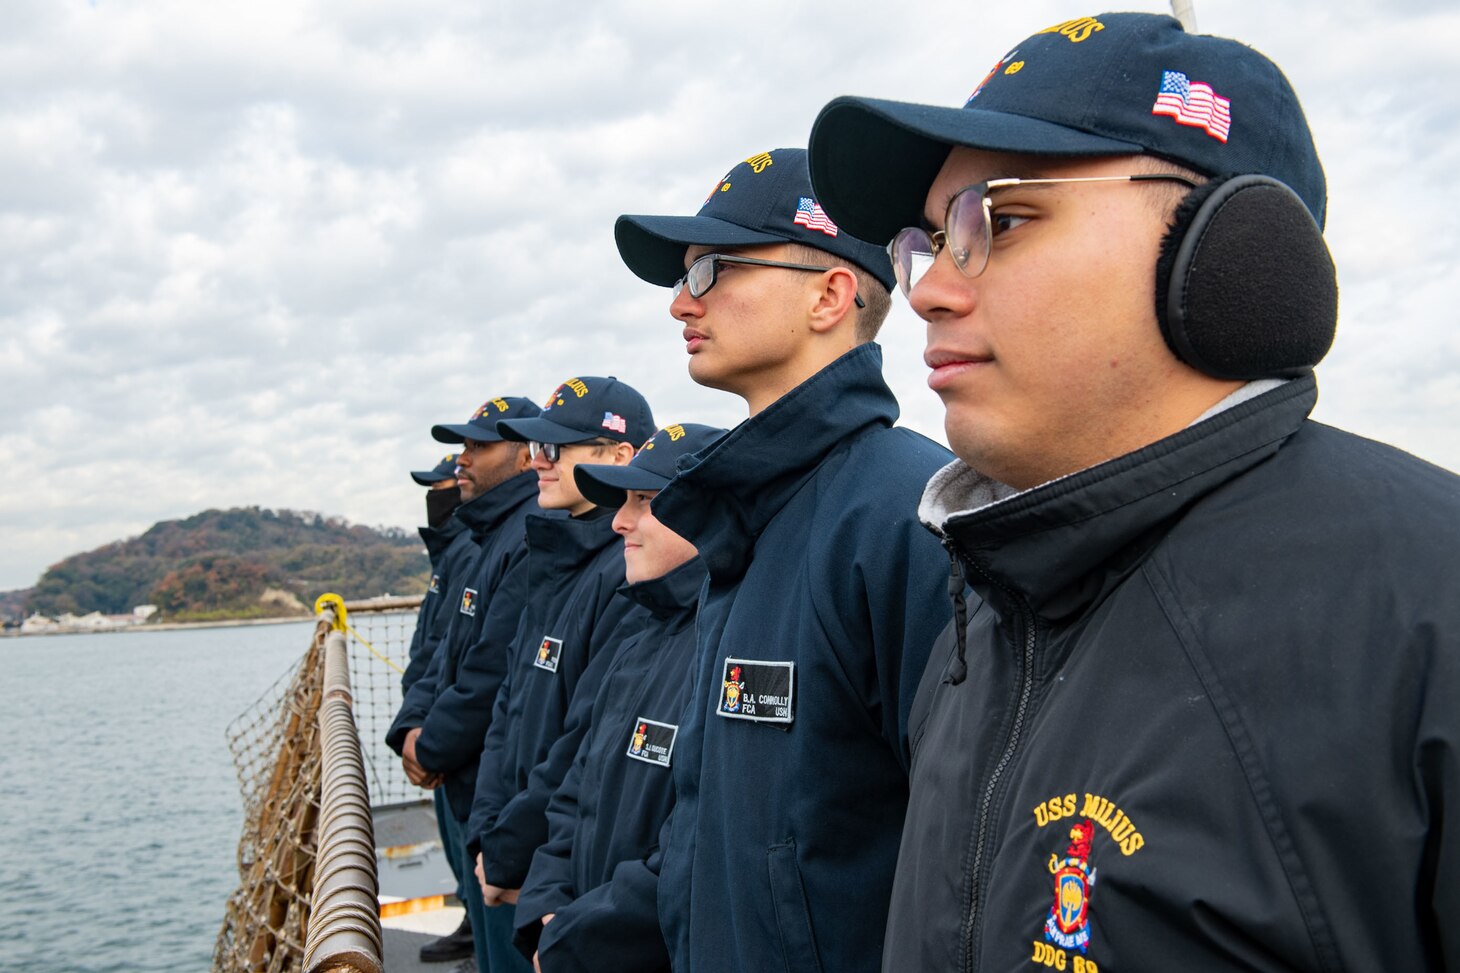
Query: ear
x=524, y=460
x=1245, y=285
x=622, y=453
x=837, y=301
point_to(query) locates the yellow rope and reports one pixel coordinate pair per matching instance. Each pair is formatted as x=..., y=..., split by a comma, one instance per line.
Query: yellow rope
x=342, y=623
x=373, y=651
x=332, y=600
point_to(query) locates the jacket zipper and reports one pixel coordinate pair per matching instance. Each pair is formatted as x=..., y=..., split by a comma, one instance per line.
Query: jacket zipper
x=958, y=671
x=974, y=871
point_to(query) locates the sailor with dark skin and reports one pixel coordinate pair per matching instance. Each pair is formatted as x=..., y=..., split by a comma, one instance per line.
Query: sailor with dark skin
x=480, y=466
x=443, y=719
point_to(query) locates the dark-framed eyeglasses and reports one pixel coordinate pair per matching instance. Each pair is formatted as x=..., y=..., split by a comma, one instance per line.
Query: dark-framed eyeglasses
x=968, y=227
x=703, y=273
x=551, y=451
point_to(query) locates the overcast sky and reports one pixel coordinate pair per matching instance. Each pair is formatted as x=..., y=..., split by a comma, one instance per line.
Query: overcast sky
x=251, y=252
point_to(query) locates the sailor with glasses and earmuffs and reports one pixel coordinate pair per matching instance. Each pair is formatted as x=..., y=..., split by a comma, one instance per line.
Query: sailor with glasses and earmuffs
x=1199, y=706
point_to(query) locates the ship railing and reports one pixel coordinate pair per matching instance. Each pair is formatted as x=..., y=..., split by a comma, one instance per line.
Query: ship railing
x=308, y=898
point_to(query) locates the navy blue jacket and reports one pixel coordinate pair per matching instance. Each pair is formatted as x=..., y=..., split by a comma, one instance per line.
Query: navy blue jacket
x=452, y=703
x=825, y=596
x=1207, y=716
x=452, y=548
x=414, y=705
x=604, y=820
x=575, y=567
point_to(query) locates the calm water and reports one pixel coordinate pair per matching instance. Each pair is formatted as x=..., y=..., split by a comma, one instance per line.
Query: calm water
x=119, y=808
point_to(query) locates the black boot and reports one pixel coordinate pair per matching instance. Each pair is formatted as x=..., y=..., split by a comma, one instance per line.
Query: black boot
x=455, y=945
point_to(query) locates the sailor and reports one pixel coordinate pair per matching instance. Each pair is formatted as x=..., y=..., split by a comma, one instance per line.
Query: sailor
x=590, y=899
x=443, y=719
x=1204, y=717
x=824, y=594
x=451, y=549
x=449, y=546
x=574, y=570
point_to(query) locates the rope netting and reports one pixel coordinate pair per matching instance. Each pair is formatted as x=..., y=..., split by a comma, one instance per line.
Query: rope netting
x=277, y=755
x=375, y=677
x=275, y=745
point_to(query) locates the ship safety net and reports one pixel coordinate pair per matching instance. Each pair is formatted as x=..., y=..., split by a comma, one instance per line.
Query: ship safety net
x=277, y=753
x=379, y=642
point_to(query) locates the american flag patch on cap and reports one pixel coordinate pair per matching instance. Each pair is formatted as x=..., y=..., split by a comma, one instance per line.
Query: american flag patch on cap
x=1193, y=103
x=810, y=215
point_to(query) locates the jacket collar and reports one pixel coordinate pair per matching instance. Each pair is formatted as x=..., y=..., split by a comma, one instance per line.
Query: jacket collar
x=1057, y=545
x=484, y=513
x=560, y=545
x=675, y=593
x=438, y=539
x=726, y=494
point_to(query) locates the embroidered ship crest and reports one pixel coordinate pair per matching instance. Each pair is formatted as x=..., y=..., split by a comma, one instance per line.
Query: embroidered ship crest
x=1068, y=924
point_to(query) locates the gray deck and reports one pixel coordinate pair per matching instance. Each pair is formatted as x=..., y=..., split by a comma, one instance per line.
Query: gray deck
x=408, y=852
x=404, y=938
x=413, y=866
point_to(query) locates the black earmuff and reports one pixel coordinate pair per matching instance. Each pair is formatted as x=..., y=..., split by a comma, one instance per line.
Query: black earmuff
x=1245, y=286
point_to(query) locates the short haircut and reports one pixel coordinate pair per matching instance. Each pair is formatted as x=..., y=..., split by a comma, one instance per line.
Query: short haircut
x=878, y=299
x=1169, y=194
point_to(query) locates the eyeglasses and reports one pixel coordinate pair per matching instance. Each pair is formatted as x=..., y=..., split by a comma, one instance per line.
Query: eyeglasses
x=968, y=227
x=703, y=273
x=551, y=451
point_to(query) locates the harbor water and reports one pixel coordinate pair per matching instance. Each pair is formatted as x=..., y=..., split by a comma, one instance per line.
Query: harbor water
x=119, y=807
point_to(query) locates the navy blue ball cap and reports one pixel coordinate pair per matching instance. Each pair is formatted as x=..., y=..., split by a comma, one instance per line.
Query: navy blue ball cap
x=1113, y=84
x=586, y=408
x=482, y=426
x=444, y=470
x=651, y=468
x=765, y=199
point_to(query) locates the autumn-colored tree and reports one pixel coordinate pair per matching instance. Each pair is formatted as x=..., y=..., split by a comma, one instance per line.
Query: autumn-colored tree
x=217, y=564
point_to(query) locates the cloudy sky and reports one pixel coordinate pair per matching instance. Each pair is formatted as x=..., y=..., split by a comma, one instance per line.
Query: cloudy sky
x=251, y=252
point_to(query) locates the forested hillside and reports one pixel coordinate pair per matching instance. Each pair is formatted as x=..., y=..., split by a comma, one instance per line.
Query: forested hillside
x=238, y=563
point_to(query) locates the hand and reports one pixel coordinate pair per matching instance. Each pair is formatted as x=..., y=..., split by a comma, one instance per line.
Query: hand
x=493, y=895
x=408, y=749
x=536, y=965
x=481, y=877
x=420, y=776
x=415, y=773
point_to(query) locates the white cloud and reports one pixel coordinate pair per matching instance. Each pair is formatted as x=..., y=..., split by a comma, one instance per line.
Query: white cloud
x=249, y=255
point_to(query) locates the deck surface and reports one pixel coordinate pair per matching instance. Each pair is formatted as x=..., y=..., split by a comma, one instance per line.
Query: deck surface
x=405, y=935
x=413, y=874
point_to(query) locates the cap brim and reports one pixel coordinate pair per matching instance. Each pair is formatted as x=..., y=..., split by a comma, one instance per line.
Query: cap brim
x=426, y=478
x=653, y=246
x=461, y=433
x=540, y=430
x=872, y=161
x=608, y=485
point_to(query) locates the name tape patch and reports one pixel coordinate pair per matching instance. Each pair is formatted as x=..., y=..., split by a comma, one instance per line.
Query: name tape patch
x=469, y=602
x=548, y=654
x=751, y=689
x=652, y=742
